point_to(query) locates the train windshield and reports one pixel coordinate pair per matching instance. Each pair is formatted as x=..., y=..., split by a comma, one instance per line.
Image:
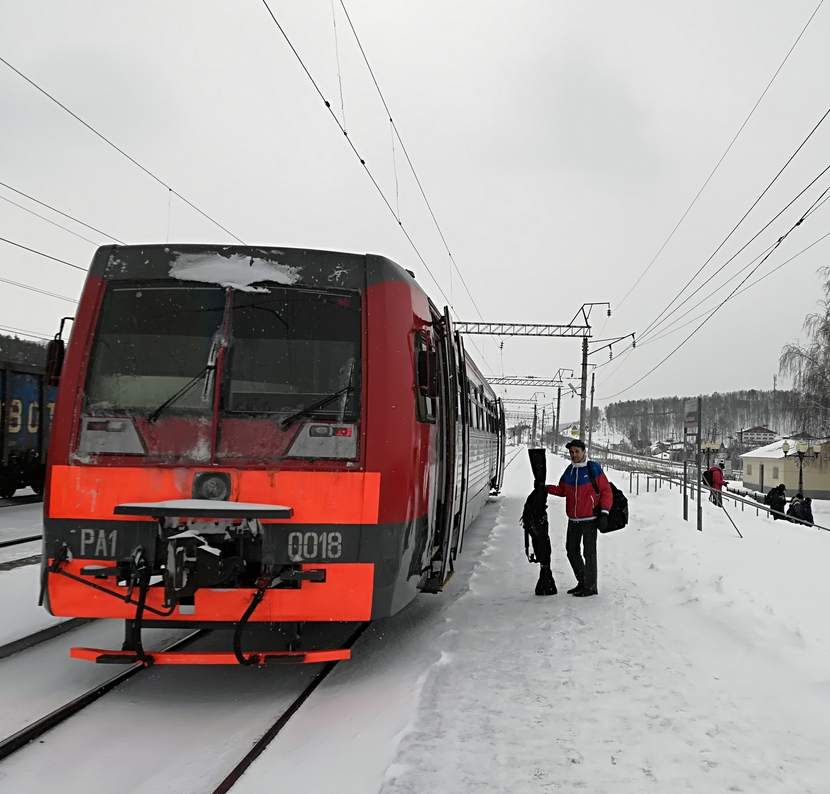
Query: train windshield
x=152, y=342
x=287, y=351
x=291, y=350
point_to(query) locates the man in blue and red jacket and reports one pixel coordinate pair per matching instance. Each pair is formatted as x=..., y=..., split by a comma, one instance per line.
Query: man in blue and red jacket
x=587, y=512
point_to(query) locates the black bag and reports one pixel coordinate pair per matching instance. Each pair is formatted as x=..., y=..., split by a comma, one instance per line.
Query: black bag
x=535, y=514
x=618, y=514
x=708, y=477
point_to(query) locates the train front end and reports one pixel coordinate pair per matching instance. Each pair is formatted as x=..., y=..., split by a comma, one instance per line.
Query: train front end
x=208, y=457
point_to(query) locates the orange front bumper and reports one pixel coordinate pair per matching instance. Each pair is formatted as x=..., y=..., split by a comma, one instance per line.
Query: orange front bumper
x=346, y=595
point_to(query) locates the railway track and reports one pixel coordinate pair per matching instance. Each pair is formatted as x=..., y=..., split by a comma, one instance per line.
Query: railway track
x=38, y=637
x=17, y=741
x=300, y=684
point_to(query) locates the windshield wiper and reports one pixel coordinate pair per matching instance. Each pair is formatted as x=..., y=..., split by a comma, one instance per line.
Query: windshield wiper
x=284, y=424
x=206, y=372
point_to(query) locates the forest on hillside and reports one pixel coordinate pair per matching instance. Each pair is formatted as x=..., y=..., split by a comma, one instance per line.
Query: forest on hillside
x=645, y=422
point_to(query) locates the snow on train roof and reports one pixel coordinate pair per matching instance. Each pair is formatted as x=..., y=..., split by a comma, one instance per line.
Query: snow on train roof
x=232, y=270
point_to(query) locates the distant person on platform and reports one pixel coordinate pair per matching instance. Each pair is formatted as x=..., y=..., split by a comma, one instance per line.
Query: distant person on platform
x=801, y=509
x=718, y=483
x=776, y=498
x=587, y=512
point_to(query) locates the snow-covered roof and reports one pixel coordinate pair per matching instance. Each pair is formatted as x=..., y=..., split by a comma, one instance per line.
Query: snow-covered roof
x=774, y=451
x=769, y=451
x=758, y=429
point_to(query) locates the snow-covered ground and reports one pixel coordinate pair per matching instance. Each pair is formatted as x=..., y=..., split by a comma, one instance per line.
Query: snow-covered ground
x=703, y=665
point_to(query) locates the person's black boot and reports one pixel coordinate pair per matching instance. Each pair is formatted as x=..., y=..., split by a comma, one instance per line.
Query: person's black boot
x=545, y=586
x=585, y=593
x=575, y=589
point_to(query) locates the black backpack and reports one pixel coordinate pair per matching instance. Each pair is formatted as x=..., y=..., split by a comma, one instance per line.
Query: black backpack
x=618, y=514
x=708, y=477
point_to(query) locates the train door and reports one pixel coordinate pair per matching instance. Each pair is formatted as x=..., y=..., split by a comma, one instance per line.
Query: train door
x=464, y=441
x=449, y=498
x=498, y=479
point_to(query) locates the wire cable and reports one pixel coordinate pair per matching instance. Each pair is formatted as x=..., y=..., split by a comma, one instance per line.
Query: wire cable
x=37, y=289
x=735, y=227
x=44, y=218
x=353, y=147
x=23, y=332
x=654, y=326
x=718, y=307
x=671, y=328
x=365, y=167
x=408, y=159
x=723, y=156
x=121, y=151
x=48, y=206
x=40, y=253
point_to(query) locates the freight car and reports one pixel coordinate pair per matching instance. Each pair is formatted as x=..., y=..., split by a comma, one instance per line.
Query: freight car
x=26, y=407
x=259, y=435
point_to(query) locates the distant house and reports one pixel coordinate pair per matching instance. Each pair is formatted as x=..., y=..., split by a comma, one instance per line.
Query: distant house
x=768, y=467
x=757, y=436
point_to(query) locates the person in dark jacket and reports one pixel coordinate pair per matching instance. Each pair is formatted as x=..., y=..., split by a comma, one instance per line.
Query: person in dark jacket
x=801, y=509
x=776, y=498
x=807, y=509
x=587, y=512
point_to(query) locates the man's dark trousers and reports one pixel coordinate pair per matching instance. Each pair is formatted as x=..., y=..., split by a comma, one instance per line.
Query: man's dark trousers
x=583, y=533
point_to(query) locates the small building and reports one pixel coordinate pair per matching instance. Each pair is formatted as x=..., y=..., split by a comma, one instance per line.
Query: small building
x=769, y=466
x=757, y=436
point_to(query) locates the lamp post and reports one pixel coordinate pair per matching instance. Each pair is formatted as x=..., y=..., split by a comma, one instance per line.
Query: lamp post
x=802, y=450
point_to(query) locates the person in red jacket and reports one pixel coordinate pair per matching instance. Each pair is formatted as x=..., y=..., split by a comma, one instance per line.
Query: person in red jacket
x=587, y=512
x=718, y=483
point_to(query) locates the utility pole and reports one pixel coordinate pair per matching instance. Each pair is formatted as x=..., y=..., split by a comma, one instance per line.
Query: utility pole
x=542, y=431
x=591, y=414
x=583, y=387
x=557, y=418
x=533, y=431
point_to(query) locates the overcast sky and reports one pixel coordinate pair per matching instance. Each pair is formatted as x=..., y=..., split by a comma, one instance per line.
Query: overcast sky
x=558, y=143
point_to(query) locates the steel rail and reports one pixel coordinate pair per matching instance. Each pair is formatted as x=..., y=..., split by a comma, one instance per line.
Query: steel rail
x=282, y=721
x=17, y=541
x=34, y=731
x=49, y=633
x=14, y=501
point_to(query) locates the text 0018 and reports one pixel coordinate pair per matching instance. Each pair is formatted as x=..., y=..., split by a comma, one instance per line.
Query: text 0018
x=314, y=546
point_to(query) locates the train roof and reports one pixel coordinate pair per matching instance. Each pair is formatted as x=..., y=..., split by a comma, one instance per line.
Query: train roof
x=242, y=266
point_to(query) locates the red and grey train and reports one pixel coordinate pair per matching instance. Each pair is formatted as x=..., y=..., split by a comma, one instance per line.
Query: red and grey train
x=258, y=435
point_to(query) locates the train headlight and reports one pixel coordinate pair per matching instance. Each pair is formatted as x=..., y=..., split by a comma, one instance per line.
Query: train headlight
x=215, y=486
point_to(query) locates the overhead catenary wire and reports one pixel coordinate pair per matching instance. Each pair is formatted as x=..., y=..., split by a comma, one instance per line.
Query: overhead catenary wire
x=654, y=326
x=673, y=327
x=723, y=156
x=48, y=220
x=718, y=307
x=40, y=253
x=737, y=225
x=352, y=146
x=366, y=168
x=408, y=158
x=121, y=151
x=54, y=209
x=37, y=289
x=23, y=332
x=666, y=331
